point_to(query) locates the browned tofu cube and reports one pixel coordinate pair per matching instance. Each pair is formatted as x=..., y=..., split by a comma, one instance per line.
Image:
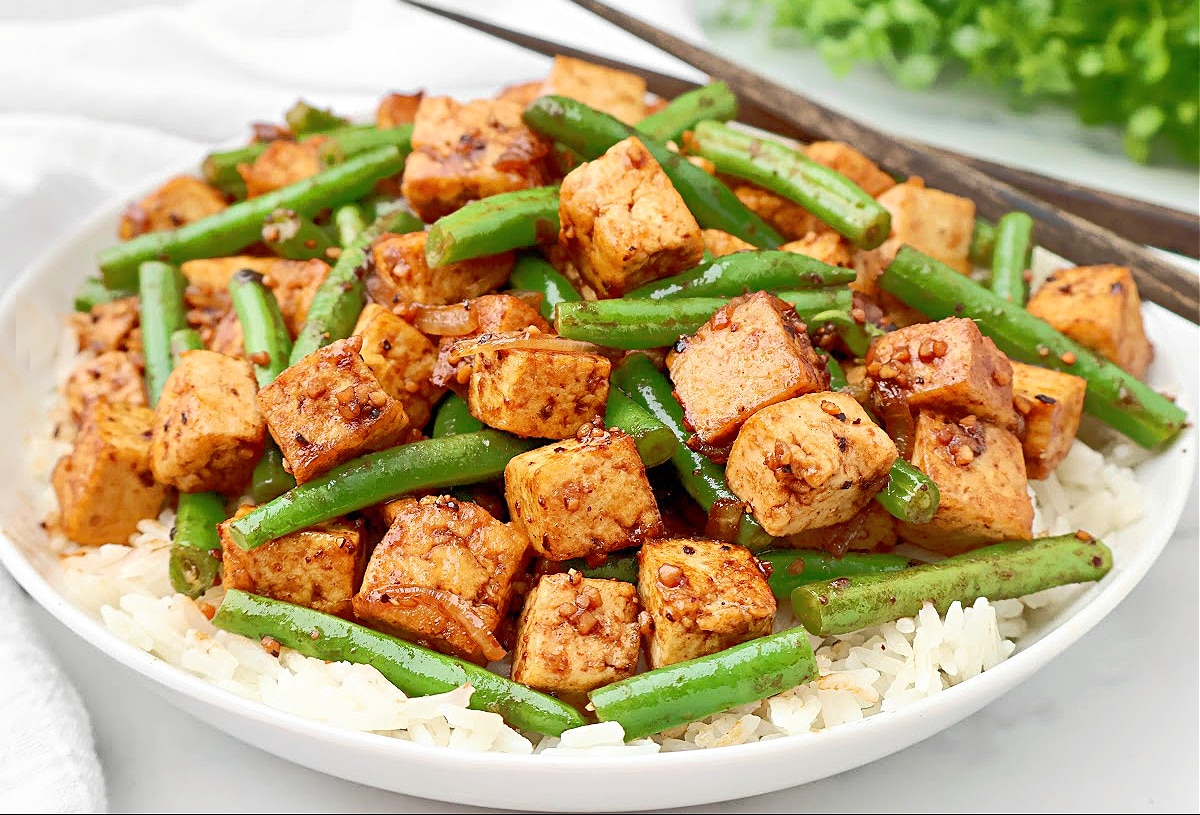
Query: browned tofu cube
x=719, y=244
x=788, y=218
x=400, y=274
x=935, y=222
x=180, y=201
x=583, y=496
x=1051, y=403
x=576, y=634
x=1098, y=307
x=490, y=314
x=402, y=359
x=329, y=408
x=754, y=352
x=809, y=462
x=114, y=376
x=948, y=366
x=617, y=93
x=980, y=472
x=443, y=576
x=462, y=153
x=854, y=165
x=281, y=164
x=109, y=327
x=104, y=486
x=536, y=392
x=702, y=596
x=319, y=567
x=622, y=222
x=873, y=529
x=522, y=93
x=826, y=246
x=397, y=109
x=294, y=284
x=214, y=273
x=208, y=432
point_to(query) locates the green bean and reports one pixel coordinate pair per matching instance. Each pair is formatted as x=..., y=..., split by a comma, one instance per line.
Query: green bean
x=1010, y=258
x=192, y=565
x=623, y=567
x=655, y=441
x=590, y=133
x=1113, y=395
x=687, y=691
x=264, y=331
x=429, y=464
x=238, y=226
x=415, y=670
x=998, y=572
x=349, y=220
x=856, y=335
x=162, y=310
x=270, y=479
x=92, y=292
x=343, y=144
x=795, y=567
x=493, y=225
x=533, y=273
x=340, y=297
x=712, y=101
x=295, y=237
x=184, y=339
x=740, y=272
x=837, y=377
x=910, y=495
x=983, y=243
x=453, y=418
x=303, y=119
x=828, y=194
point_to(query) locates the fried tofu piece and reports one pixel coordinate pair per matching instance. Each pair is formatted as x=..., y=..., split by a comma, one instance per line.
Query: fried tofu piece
x=617, y=93
x=576, y=634
x=702, y=596
x=538, y=394
x=844, y=159
x=104, y=486
x=1098, y=307
x=719, y=244
x=623, y=223
x=754, y=352
x=873, y=529
x=397, y=109
x=826, y=246
x=329, y=408
x=114, y=376
x=948, y=366
x=464, y=152
x=282, y=163
x=180, y=201
x=319, y=567
x=809, y=462
x=443, y=576
x=934, y=222
x=490, y=314
x=786, y=217
x=402, y=359
x=583, y=496
x=980, y=472
x=400, y=274
x=1051, y=404
x=294, y=284
x=214, y=273
x=523, y=93
x=208, y=431
x=111, y=326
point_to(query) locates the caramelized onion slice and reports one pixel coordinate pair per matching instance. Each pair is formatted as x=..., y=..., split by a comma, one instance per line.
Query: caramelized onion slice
x=456, y=320
x=723, y=519
x=456, y=610
x=521, y=341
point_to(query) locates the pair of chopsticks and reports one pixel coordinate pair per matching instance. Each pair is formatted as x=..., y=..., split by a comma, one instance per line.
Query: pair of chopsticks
x=1070, y=219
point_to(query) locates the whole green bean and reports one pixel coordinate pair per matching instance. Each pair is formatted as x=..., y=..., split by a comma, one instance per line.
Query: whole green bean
x=1114, y=396
x=92, y=292
x=192, y=566
x=269, y=479
x=429, y=464
x=623, y=567
x=340, y=297
x=343, y=144
x=238, y=226
x=795, y=567
x=415, y=670
x=453, y=418
x=295, y=237
x=998, y=572
x=825, y=192
x=910, y=495
x=740, y=272
x=349, y=220
x=655, y=441
x=265, y=335
x=533, y=273
x=983, y=242
x=160, y=300
x=303, y=119
x=712, y=101
x=493, y=225
x=687, y=691
x=590, y=133
x=1010, y=258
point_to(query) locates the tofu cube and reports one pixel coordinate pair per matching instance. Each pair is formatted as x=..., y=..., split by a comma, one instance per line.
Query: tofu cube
x=576, y=634
x=111, y=326
x=400, y=274
x=583, y=496
x=622, y=222
x=104, y=486
x=536, y=392
x=754, y=352
x=1098, y=307
x=702, y=596
x=719, y=244
x=208, y=431
x=294, y=284
x=180, y=201
x=980, y=472
x=329, y=408
x=443, y=577
x=490, y=314
x=826, y=246
x=788, y=218
x=1051, y=403
x=617, y=93
x=935, y=222
x=282, y=163
x=397, y=109
x=319, y=567
x=948, y=366
x=523, y=93
x=114, y=377
x=854, y=165
x=809, y=462
x=873, y=529
x=214, y=273
x=402, y=359
x=464, y=152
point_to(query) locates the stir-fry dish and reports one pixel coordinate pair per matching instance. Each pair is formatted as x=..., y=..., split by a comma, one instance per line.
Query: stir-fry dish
x=591, y=407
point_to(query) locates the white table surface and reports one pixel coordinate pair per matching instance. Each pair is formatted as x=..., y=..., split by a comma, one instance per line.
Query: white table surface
x=1111, y=725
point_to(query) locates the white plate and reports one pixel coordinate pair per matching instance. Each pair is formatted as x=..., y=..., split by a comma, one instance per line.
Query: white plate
x=31, y=317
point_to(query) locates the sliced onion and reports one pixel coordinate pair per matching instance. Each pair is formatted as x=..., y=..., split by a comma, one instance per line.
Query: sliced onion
x=724, y=517
x=457, y=610
x=521, y=341
x=457, y=320
x=533, y=299
x=897, y=418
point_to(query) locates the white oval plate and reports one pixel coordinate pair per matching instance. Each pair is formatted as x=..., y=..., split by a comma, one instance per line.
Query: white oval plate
x=31, y=317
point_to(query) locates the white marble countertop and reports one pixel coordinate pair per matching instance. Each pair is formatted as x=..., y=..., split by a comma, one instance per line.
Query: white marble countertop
x=1110, y=725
